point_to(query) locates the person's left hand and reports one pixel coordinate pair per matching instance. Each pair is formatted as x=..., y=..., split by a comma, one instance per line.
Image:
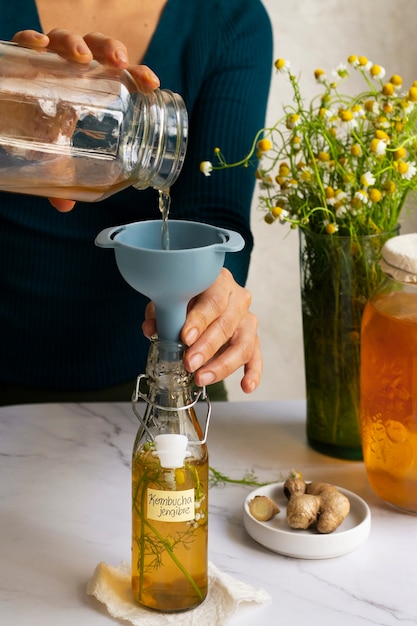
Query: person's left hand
x=221, y=332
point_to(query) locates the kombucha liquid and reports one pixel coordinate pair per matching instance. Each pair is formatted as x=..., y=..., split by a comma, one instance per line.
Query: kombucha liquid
x=169, y=558
x=389, y=397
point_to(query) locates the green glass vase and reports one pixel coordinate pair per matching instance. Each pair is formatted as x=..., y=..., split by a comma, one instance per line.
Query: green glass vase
x=338, y=274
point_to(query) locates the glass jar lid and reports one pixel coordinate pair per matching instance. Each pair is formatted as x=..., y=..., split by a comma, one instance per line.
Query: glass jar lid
x=399, y=258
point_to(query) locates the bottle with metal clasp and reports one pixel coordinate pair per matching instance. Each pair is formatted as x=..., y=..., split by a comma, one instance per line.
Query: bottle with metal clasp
x=169, y=485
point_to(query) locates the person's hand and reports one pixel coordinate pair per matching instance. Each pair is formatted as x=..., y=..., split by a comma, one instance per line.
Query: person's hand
x=83, y=49
x=221, y=333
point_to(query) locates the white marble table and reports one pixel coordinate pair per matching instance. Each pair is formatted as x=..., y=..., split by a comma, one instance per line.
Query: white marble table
x=65, y=506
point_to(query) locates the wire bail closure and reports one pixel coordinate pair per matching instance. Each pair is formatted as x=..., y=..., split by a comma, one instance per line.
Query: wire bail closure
x=200, y=393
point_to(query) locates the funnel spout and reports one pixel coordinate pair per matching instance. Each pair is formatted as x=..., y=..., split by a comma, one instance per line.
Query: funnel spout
x=170, y=320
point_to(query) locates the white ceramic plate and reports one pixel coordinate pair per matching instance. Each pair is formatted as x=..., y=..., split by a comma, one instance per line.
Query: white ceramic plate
x=277, y=536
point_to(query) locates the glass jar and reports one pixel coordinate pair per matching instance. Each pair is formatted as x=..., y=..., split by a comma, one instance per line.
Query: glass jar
x=83, y=132
x=389, y=377
x=169, y=486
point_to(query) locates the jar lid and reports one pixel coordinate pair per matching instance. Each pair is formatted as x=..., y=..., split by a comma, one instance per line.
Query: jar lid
x=399, y=258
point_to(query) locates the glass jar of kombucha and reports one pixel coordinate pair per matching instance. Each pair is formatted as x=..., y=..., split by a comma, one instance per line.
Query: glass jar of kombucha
x=389, y=377
x=83, y=132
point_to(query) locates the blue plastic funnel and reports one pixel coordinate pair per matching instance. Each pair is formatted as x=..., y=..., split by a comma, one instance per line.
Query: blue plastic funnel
x=170, y=277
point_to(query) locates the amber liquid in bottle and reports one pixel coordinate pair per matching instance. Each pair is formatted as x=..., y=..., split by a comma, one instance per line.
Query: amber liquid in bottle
x=389, y=397
x=169, y=559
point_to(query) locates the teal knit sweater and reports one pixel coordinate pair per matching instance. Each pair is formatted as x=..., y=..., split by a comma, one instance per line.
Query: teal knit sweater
x=68, y=320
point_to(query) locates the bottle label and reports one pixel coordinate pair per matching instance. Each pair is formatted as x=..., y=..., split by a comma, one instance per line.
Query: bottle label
x=171, y=506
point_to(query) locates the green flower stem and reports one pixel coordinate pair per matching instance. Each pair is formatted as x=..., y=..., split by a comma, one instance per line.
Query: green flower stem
x=246, y=159
x=249, y=479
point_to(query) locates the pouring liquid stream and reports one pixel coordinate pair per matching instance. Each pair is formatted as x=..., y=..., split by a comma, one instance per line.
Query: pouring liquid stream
x=164, y=202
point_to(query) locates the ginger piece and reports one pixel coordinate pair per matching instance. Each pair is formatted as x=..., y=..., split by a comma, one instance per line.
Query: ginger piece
x=294, y=486
x=302, y=510
x=334, y=508
x=263, y=508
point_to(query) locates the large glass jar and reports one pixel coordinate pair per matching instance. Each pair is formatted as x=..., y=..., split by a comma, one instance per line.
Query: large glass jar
x=169, y=486
x=83, y=132
x=389, y=377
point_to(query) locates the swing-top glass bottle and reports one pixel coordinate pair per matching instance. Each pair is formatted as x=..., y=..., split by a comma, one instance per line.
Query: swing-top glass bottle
x=169, y=486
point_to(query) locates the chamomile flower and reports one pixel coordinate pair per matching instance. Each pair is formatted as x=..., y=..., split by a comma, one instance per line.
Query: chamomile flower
x=206, y=167
x=367, y=179
x=341, y=71
x=378, y=146
x=376, y=71
x=281, y=65
x=362, y=196
x=330, y=227
x=407, y=170
x=320, y=76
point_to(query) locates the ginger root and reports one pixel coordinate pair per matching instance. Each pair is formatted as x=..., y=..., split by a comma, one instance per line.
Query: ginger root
x=321, y=504
x=334, y=507
x=302, y=510
x=262, y=508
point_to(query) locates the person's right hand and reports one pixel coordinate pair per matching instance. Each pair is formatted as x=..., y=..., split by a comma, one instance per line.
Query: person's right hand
x=83, y=49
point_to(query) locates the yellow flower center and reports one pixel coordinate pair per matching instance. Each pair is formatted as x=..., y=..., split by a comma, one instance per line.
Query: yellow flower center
x=276, y=211
x=284, y=170
x=396, y=80
x=369, y=105
x=324, y=157
x=402, y=167
x=412, y=94
x=345, y=115
x=306, y=175
x=375, y=195
x=400, y=153
x=292, y=120
x=388, y=89
x=380, y=134
x=375, y=70
x=279, y=64
x=264, y=145
x=331, y=228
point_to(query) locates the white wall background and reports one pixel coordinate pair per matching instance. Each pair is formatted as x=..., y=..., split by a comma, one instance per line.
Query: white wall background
x=312, y=34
